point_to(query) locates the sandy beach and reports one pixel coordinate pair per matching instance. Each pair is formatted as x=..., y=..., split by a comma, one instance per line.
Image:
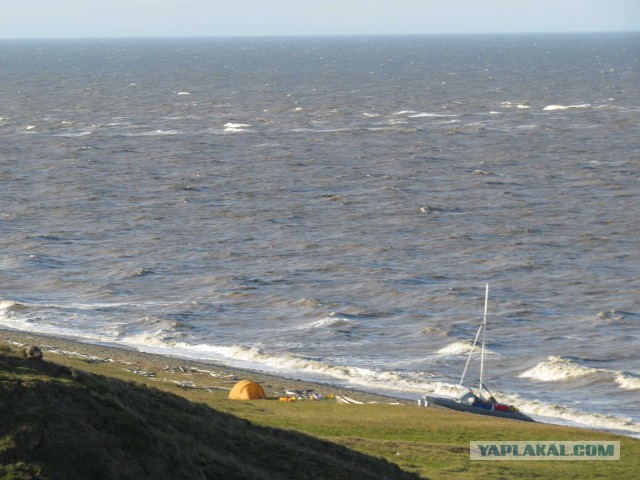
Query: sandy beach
x=196, y=374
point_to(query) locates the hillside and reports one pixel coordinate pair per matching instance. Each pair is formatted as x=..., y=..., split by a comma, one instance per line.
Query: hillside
x=57, y=422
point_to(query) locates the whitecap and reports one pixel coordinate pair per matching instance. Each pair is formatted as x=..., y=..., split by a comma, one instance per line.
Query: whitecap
x=318, y=130
x=556, y=369
x=231, y=127
x=331, y=321
x=431, y=115
x=508, y=104
x=11, y=306
x=83, y=133
x=447, y=389
x=565, y=107
x=7, y=304
x=396, y=122
x=183, y=93
x=154, y=133
x=458, y=348
x=405, y=112
x=628, y=381
x=571, y=416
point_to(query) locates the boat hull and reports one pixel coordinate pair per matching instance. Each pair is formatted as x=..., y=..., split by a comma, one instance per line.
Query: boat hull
x=453, y=404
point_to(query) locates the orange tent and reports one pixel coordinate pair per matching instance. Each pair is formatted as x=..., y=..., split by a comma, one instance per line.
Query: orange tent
x=246, y=390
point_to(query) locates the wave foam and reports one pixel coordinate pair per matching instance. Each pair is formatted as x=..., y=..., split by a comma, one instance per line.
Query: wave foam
x=154, y=133
x=431, y=115
x=457, y=348
x=461, y=347
x=557, y=368
x=331, y=321
x=566, y=107
x=231, y=127
x=598, y=421
x=82, y=133
x=7, y=304
x=286, y=364
x=508, y=104
x=628, y=381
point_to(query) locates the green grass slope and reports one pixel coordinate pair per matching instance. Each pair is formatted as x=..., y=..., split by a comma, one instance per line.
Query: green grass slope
x=57, y=422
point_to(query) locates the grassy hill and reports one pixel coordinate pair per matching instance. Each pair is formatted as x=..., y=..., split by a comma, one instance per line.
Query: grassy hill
x=75, y=418
x=62, y=423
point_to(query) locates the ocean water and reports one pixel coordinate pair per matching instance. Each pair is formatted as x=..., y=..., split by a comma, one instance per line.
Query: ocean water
x=332, y=208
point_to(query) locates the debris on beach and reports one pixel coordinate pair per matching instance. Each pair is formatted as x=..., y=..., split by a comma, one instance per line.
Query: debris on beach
x=343, y=399
x=57, y=351
x=81, y=356
x=186, y=370
x=295, y=395
x=185, y=384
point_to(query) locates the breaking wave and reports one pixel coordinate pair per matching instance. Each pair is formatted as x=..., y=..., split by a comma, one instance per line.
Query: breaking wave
x=556, y=369
x=231, y=127
x=332, y=321
x=462, y=347
x=628, y=381
x=283, y=364
x=572, y=416
x=7, y=304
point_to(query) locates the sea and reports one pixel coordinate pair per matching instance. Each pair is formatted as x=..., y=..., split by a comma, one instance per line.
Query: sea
x=333, y=208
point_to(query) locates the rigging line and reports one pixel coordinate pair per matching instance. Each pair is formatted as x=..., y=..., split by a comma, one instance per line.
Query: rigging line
x=484, y=328
x=475, y=340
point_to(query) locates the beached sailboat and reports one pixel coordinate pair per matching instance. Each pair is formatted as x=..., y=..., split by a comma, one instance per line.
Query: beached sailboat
x=466, y=399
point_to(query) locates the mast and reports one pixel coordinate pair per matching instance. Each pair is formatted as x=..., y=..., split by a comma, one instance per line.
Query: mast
x=473, y=346
x=475, y=340
x=484, y=328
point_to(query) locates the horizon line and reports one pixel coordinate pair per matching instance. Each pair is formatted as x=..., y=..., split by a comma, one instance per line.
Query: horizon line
x=321, y=35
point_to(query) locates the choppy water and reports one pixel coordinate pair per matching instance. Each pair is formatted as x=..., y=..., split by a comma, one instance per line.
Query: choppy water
x=331, y=208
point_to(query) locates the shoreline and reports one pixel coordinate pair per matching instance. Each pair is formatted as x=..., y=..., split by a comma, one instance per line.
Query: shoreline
x=153, y=364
